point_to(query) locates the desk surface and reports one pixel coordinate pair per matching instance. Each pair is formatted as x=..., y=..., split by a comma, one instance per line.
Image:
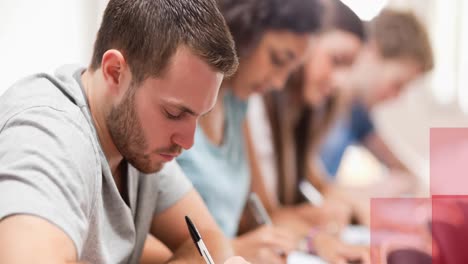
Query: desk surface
x=357, y=235
x=303, y=258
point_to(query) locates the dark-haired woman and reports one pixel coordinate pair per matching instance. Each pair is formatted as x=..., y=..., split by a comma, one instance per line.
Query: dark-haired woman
x=283, y=147
x=272, y=38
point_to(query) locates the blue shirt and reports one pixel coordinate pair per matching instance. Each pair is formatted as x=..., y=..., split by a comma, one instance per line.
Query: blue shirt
x=220, y=173
x=351, y=129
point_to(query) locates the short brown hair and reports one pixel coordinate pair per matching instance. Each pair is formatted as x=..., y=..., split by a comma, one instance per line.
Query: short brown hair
x=148, y=33
x=400, y=34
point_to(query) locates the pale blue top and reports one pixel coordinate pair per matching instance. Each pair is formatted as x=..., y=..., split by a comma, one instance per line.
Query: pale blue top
x=220, y=173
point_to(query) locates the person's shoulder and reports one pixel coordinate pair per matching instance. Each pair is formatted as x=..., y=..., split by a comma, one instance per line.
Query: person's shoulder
x=56, y=143
x=235, y=105
x=61, y=120
x=41, y=124
x=59, y=91
x=36, y=113
x=57, y=98
x=36, y=91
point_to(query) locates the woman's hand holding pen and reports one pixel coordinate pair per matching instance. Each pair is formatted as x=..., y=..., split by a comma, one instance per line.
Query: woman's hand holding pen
x=266, y=244
x=334, y=214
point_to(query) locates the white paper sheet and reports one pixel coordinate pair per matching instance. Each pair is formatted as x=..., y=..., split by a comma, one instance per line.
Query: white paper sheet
x=303, y=258
x=356, y=235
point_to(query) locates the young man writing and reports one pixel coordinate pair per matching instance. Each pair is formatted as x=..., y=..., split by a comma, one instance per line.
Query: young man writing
x=82, y=152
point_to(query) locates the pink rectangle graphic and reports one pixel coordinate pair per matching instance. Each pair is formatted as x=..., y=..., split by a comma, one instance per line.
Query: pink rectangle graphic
x=400, y=230
x=449, y=161
x=432, y=230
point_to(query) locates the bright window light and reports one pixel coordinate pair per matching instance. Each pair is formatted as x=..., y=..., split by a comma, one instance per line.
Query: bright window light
x=463, y=57
x=365, y=9
x=444, y=36
x=62, y=32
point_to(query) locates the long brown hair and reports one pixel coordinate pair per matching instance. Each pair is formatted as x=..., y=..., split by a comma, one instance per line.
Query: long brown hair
x=298, y=128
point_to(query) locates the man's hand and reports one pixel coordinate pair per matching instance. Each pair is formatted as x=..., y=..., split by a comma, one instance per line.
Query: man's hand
x=333, y=214
x=171, y=229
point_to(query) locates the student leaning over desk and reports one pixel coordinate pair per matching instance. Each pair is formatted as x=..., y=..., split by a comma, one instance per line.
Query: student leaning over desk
x=82, y=152
x=398, y=52
x=272, y=37
x=279, y=120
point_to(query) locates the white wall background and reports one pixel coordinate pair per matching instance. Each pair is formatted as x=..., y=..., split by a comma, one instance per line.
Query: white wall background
x=41, y=35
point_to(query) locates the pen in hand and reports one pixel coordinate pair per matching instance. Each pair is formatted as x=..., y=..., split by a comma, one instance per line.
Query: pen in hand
x=258, y=210
x=311, y=193
x=260, y=214
x=197, y=239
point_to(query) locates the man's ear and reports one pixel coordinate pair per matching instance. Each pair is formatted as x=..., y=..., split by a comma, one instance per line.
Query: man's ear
x=114, y=68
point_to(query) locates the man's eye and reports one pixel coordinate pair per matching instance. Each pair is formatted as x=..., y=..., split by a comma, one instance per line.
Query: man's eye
x=172, y=116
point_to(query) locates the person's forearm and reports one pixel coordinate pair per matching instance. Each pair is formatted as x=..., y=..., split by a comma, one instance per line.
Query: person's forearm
x=154, y=252
x=218, y=246
x=383, y=153
x=291, y=219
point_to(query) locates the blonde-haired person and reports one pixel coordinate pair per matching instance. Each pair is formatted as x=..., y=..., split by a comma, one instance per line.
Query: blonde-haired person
x=399, y=52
